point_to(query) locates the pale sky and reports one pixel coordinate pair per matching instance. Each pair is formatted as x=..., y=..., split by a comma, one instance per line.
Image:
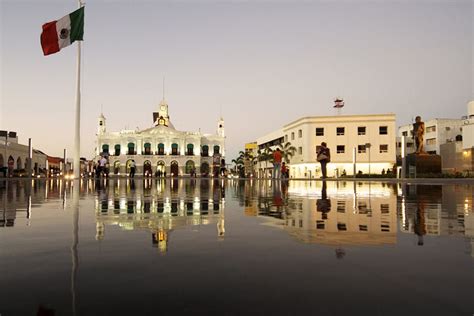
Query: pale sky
x=264, y=63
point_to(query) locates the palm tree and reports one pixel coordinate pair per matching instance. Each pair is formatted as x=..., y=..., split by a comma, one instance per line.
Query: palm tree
x=267, y=156
x=239, y=161
x=287, y=151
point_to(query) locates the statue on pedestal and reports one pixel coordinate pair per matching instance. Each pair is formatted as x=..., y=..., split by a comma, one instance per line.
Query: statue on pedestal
x=418, y=135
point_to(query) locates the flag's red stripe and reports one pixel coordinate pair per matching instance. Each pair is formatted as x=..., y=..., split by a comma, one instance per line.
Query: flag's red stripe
x=49, y=38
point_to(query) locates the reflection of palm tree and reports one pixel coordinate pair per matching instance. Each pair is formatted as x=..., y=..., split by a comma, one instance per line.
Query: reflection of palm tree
x=287, y=151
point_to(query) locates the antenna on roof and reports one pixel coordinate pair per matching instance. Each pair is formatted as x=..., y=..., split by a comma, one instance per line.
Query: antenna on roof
x=163, y=87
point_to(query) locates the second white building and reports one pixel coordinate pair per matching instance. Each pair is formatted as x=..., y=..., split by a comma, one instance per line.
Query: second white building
x=370, y=139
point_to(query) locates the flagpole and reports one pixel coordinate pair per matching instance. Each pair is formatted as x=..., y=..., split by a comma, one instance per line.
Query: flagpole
x=77, y=135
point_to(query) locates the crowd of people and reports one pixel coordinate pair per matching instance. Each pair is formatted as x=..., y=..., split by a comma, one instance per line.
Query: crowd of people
x=101, y=168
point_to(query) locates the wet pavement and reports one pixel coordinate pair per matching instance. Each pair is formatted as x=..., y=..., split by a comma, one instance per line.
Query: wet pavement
x=235, y=247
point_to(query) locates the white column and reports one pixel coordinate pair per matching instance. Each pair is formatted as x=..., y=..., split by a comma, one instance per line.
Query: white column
x=64, y=169
x=30, y=157
x=404, y=160
x=138, y=146
x=77, y=135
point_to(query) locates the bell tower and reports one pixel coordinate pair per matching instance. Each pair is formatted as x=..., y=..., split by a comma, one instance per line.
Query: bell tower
x=101, y=124
x=220, y=128
x=161, y=117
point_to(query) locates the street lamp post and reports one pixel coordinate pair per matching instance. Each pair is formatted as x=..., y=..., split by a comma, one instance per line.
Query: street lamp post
x=368, y=145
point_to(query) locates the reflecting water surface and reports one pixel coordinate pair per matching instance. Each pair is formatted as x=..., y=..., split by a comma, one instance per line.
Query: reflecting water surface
x=214, y=246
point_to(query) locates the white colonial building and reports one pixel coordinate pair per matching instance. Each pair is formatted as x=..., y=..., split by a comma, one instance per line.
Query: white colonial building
x=161, y=148
x=372, y=137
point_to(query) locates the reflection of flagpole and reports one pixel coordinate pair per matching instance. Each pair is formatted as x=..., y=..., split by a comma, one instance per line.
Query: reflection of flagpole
x=75, y=241
x=77, y=135
x=354, y=205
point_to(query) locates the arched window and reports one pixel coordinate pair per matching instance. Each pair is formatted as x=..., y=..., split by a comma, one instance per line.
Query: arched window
x=161, y=167
x=131, y=148
x=205, y=151
x=459, y=138
x=147, y=172
x=204, y=169
x=18, y=163
x=174, y=169
x=190, y=150
x=174, y=149
x=216, y=149
x=105, y=149
x=147, y=149
x=117, y=150
x=127, y=165
x=189, y=166
x=116, y=166
x=161, y=149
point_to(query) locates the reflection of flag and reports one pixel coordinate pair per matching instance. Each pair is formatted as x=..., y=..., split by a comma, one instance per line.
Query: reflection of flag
x=338, y=103
x=63, y=32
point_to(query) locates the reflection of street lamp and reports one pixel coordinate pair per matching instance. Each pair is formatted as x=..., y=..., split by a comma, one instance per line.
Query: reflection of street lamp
x=367, y=146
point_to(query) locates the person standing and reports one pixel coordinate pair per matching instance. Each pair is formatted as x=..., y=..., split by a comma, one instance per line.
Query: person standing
x=102, y=164
x=133, y=166
x=277, y=164
x=323, y=155
x=284, y=171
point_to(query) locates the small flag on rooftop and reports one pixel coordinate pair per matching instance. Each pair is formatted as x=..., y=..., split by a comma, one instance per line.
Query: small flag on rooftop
x=63, y=32
x=338, y=103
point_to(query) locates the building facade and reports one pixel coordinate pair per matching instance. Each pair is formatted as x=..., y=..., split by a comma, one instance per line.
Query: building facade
x=458, y=156
x=161, y=148
x=468, y=128
x=370, y=138
x=14, y=157
x=437, y=132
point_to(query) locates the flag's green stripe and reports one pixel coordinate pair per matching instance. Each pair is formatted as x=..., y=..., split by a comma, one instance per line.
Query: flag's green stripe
x=77, y=25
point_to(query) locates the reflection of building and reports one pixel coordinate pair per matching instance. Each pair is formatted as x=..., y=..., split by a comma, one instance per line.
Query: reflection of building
x=357, y=215
x=437, y=210
x=161, y=207
x=161, y=148
x=372, y=136
x=22, y=196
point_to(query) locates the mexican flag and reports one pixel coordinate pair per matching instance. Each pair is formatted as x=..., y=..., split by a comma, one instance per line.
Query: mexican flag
x=63, y=32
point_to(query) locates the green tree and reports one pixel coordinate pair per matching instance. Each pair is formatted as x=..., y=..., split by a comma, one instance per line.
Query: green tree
x=239, y=161
x=287, y=151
